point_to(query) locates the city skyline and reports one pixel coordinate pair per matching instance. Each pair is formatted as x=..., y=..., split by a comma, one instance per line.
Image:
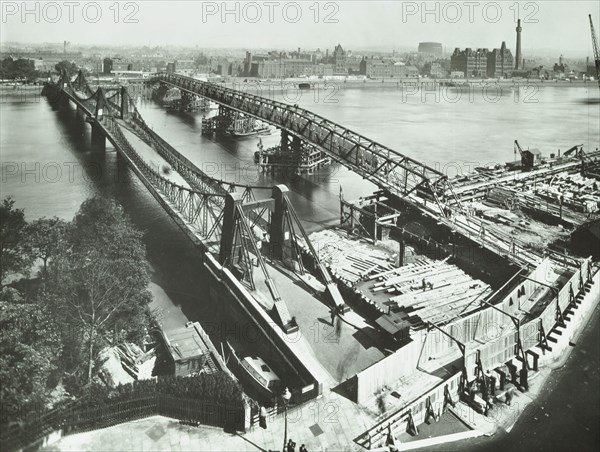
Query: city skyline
x=255, y=25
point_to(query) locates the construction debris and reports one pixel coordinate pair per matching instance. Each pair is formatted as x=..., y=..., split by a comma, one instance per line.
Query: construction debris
x=125, y=363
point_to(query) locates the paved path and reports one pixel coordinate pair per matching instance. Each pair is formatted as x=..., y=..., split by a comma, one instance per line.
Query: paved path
x=329, y=423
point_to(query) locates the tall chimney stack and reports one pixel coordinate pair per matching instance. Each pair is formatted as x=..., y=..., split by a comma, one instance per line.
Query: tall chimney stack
x=518, y=55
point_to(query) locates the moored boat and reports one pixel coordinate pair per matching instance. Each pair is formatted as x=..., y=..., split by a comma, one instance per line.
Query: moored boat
x=258, y=373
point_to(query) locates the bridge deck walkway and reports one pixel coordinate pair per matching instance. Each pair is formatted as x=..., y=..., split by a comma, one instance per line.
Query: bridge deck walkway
x=151, y=157
x=342, y=351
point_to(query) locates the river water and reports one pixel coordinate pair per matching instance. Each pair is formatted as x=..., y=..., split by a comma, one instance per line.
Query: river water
x=50, y=168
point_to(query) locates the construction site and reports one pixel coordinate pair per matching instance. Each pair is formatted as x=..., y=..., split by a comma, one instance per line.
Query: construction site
x=432, y=297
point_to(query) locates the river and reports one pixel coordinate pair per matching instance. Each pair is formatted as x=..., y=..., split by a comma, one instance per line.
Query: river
x=50, y=168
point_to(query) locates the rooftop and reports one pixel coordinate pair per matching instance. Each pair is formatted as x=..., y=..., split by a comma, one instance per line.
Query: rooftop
x=185, y=343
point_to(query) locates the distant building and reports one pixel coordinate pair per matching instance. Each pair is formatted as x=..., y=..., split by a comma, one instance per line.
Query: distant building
x=431, y=48
x=387, y=69
x=473, y=63
x=285, y=68
x=339, y=61
x=296, y=68
x=247, y=64
x=185, y=67
x=271, y=69
x=500, y=62
x=120, y=64
x=322, y=70
x=561, y=67
x=107, y=66
x=353, y=65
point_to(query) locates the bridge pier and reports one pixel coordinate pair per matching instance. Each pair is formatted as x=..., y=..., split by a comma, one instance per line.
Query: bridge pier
x=124, y=103
x=63, y=101
x=229, y=254
x=158, y=93
x=98, y=138
x=280, y=236
x=220, y=122
x=293, y=155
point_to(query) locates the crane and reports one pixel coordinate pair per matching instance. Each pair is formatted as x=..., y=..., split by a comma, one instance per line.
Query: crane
x=529, y=158
x=596, y=51
x=517, y=146
x=578, y=149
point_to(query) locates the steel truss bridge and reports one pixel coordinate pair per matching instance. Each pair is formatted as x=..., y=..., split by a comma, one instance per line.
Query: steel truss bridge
x=399, y=176
x=386, y=168
x=233, y=220
x=223, y=218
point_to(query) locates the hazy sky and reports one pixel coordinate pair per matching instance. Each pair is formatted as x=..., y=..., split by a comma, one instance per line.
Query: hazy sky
x=560, y=25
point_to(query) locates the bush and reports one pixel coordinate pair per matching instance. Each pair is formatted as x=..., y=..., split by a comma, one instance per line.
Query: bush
x=217, y=388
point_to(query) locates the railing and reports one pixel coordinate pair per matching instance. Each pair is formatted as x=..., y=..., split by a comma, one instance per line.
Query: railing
x=185, y=167
x=381, y=165
x=196, y=208
x=416, y=408
x=202, y=182
x=73, y=419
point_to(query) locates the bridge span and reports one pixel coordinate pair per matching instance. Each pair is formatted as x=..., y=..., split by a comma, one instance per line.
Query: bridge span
x=402, y=178
x=240, y=230
x=223, y=218
x=398, y=174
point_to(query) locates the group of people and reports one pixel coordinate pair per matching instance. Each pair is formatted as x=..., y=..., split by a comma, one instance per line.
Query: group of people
x=291, y=447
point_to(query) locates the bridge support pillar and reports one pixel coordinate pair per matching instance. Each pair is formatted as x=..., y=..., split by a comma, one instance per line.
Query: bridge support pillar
x=280, y=235
x=401, y=252
x=63, y=101
x=98, y=138
x=294, y=155
x=227, y=251
x=124, y=103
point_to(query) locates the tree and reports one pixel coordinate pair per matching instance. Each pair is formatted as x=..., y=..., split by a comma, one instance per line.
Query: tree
x=30, y=348
x=68, y=66
x=45, y=238
x=99, y=282
x=17, y=69
x=13, y=256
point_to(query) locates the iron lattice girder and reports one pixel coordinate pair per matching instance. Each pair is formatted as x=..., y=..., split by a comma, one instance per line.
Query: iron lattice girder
x=402, y=174
x=192, y=174
x=195, y=207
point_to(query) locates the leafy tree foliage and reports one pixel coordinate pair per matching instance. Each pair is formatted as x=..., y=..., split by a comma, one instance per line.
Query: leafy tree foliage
x=99, y=282
x=68, y=66
x=30, y=347
x=13, y=255
x=17, y=69
x=45, y=238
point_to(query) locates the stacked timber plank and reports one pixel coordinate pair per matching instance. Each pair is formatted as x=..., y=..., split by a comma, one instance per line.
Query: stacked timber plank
x=349, y=260
x=426, y=291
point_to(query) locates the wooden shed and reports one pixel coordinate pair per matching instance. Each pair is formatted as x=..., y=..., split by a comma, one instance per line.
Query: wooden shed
x=188, y=351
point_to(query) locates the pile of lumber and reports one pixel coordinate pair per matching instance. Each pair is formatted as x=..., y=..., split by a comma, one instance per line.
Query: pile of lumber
x=349, y=260
x=500, y=197
x=429, y=291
